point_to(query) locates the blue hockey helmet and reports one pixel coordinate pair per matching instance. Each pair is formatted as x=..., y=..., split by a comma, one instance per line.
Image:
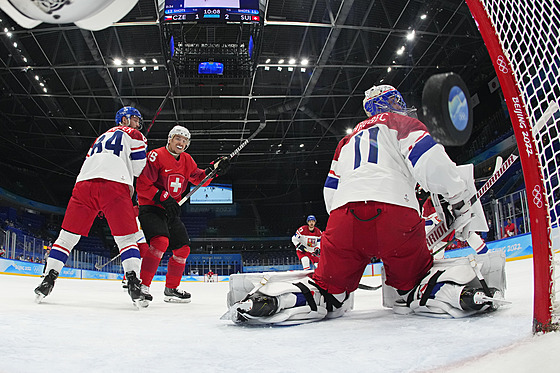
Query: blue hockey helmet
x=382, y=99
x=311, y=217
x=128, y=111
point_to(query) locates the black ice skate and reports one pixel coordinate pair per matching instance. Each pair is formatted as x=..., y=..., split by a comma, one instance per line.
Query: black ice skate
x=252, y=307
x=176, y=296
x=476, y=299
x=46, y=285
x=134, y=290
x=261, y=305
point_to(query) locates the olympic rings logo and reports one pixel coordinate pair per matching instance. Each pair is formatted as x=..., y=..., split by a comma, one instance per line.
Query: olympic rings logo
x=537, y=196
x=502, y=64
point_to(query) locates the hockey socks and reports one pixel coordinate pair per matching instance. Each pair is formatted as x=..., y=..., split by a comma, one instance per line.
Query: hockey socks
x=176, y=267
x=151, y=259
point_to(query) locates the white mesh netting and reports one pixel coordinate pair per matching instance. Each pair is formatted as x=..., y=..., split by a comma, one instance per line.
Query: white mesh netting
x=528, y=31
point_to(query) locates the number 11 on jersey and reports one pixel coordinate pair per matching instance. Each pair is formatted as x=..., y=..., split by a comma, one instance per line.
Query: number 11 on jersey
x=372, y=149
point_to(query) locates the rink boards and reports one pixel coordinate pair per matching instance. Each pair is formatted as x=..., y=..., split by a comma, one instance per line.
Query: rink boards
x=516, y=247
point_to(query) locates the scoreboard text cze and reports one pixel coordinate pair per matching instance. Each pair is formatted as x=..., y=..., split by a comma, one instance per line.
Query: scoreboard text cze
x=211, y=10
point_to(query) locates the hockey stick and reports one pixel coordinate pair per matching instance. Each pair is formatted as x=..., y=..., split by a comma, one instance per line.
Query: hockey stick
x=367, y=287
x=169, y=94
x=499, y=162
x=100, y=266
x=441, y=230
x=442, y=248
x=262, y=120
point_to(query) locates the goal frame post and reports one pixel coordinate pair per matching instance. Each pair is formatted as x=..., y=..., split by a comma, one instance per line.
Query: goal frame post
x=538, y=205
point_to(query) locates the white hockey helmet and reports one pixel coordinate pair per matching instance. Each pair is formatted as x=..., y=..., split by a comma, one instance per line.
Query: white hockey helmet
x=382, y=99
x=181, y=131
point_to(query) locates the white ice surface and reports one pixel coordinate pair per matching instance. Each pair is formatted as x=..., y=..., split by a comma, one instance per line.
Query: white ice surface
x=91, y=326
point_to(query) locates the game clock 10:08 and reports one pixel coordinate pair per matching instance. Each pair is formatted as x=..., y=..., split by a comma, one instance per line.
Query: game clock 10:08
x=211, y=10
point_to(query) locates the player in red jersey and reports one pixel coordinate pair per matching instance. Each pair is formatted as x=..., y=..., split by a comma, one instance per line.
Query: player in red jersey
x=105, y=186
x=160, y=186
x=307, y=241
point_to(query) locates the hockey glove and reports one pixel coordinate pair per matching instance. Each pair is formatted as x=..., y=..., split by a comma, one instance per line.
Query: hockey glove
x=169, y=203
x=317, y=252
x=301, y=248
x=220, y=164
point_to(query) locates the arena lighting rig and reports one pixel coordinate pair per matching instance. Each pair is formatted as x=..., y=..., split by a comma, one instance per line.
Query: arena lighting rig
x=212, y=40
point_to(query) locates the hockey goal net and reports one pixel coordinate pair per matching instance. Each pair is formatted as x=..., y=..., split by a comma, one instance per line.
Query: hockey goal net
x=210, y=277
x=523, y=42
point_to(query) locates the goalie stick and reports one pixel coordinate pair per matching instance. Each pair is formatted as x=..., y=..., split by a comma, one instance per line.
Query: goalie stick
x=441, y=230
x=262, y=120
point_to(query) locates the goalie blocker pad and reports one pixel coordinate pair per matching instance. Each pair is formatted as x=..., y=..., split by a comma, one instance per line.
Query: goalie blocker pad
x=458, y=271
x=286, y=287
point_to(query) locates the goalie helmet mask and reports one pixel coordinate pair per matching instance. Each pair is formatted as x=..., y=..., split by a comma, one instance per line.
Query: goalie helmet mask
x=383, y=99
x=86, y=14
x=181, y=131
x=127, y=112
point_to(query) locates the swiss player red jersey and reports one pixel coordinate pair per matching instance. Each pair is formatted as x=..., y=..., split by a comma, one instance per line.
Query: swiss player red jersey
x=164, y=172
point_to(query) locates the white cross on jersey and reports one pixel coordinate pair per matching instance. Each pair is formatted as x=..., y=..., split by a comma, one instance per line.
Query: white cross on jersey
x=176, y=185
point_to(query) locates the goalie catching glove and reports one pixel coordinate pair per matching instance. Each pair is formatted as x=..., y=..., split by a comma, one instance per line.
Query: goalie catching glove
x=169, y=203
x=220, y=164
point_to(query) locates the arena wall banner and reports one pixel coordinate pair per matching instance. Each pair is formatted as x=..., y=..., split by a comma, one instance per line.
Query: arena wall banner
x=19, y=267
x=23, y=268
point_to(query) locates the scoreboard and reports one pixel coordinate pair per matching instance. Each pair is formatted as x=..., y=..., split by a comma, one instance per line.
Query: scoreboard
x=220, y=11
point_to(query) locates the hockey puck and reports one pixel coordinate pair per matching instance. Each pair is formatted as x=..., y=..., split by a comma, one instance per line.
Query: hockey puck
x=447, y=110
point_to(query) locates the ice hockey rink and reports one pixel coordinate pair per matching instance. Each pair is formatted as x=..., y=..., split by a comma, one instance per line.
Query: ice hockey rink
x=91, y=325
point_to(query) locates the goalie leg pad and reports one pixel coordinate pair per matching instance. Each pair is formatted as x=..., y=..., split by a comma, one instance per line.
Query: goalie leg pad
x=451, y=289
x=297, y=299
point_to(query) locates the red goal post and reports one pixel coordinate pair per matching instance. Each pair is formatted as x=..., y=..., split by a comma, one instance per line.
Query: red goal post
x=523, y=42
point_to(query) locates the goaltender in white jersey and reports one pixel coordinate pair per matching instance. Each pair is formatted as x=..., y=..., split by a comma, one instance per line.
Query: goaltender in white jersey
x=373, y=212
